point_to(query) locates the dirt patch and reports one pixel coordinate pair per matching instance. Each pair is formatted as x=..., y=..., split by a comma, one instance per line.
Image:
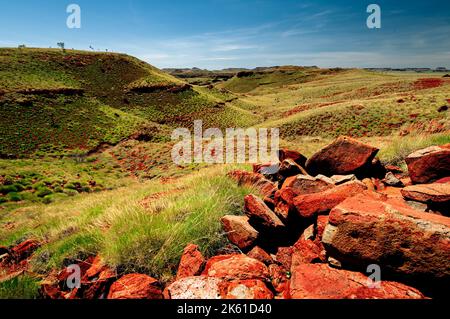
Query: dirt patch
x=151, y=199
x=305, y=107
x=428, y=83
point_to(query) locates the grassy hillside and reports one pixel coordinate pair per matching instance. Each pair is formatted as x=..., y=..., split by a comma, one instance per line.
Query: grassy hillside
x=58, y=101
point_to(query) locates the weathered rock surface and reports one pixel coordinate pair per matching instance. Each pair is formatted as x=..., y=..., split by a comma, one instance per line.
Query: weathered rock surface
x=260, y=214
x=364, y=229
x=305, y=184
x=311, y=205
x=135, y=286
x=429, y=164
x=260, y=254
x=239, y=231
x=236, y=266
x=191, y=262
x=24, y=249
x=344, y=156
x=319, y=281
x=245, y=289
x=428, y=193
x=195, y=288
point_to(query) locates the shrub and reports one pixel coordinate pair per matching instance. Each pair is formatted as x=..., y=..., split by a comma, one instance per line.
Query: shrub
x=43, y=191
x=14, y=197
x=47, y=199
x=3, y=200
x=8, y=189
x=70, y=192
x=19, y=187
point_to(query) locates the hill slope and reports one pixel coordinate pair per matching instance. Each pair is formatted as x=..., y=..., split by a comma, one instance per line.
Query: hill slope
x=56, y=101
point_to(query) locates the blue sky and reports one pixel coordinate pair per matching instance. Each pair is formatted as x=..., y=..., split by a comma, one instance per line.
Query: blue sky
x=247, y=33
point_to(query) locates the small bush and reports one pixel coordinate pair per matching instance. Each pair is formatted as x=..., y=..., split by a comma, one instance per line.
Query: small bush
x=43, y=191
x=3, y=200
x=14, y=197
x=70, y=192
x=8, y=189
x=47, y=199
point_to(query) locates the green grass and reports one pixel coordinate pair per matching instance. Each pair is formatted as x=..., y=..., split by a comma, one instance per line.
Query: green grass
x=125, y=232
x=21, y=287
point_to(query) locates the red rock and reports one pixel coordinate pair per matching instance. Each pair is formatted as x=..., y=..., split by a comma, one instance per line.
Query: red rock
x=96, y=268
x=429, y=164
x=290, y=168
x=214, y=260
x=322, y=222
x=428, y=193
x=135, y=286
x=364, y=230
x=204, y=288
x=313, y=204
x=259, y=213
x=279, y=281
x=394, y=169
x=294, y=155
x=284, y=257
x=260, y=254
x=238, y=267
x=51, y=292
x=265, y=186
x=24, y=249
x=246, y=290
x=239, y=231
x=344, y=156
x=191, y=262
x=445, y=180
x=303, y=184
x=269, y=202
x=284, y=199
x=306, y=251
x=319, y=281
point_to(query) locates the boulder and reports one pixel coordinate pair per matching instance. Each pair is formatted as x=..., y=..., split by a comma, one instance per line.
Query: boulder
x=284, y=200
x=260, y=214
x=245, y=290
x=344, y=156
x=365, y=230
x=311, y=205
x=319, y=281
x=429, y=164
x=260, y=254
x=305, y=184
x=237, y=266
x=135, y=286
x=239, y=231
x=191, y=262
x=202, y=287
x=428, y=193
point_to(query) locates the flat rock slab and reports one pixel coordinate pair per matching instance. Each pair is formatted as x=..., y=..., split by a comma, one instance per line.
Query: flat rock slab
x=428, y=193
x=319, y=281
x=239, y=231
x=366, y=230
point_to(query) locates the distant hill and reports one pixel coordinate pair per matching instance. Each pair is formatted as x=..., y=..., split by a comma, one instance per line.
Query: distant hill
x=54, y=101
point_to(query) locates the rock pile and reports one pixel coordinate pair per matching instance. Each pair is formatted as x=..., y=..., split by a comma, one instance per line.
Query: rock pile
x=337, y=225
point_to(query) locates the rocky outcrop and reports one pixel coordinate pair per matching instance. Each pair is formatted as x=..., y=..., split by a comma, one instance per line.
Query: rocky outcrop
x=429, y=164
